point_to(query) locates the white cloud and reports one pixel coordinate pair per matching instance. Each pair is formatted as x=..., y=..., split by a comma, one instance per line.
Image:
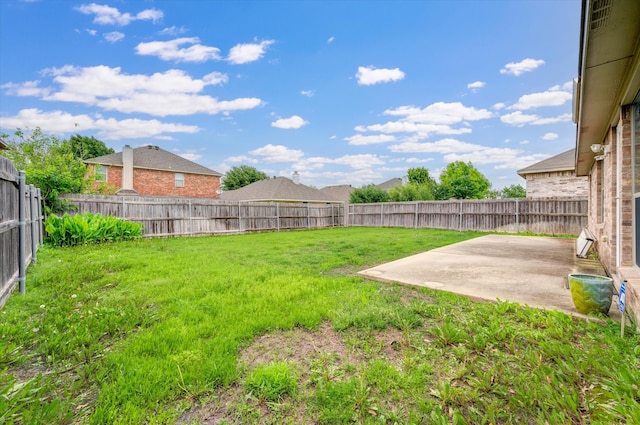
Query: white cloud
x=519, y=119
x=519, y=68
x=547, y=98
x=242, y=158
x=440, y=113
x=172, y=51
x=476, y=85
x=524, y=142
x=277, y=153
x=28, y=88
x=91, y=32
x=172, y=92
x=60, y=122
x=107, y=15
x=249, y=52
x=499, y=106
x=368, y=75
x=443, y=146
x=172, y=30
x=359, y=139
x=358, y=162
x=550, y=136
x=191, y=155
x=292, y=122
x=113, y=37
x=308, y=93
x=331, y=39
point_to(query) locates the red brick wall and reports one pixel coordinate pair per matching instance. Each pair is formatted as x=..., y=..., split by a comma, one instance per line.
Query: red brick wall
x=162, y=183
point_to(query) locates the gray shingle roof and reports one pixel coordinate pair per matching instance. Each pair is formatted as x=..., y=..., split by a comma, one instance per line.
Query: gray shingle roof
x=277, y=189
x=155, y=158
x=340, y=192
x=390, y=184
x=566, y=161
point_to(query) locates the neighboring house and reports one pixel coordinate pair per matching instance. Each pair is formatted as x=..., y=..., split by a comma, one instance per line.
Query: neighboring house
x=3, y=145
x=340, y=192
x=607, y=112
x=555, y=176
x=278, y=189
x=149, y=170
x=390, y=184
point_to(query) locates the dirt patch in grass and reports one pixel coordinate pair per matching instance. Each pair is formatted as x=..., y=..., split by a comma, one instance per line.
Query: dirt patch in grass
x=319, y=354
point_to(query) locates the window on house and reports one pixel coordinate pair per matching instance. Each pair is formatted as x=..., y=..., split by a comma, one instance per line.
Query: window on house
x=100, y=173
x=179, y=180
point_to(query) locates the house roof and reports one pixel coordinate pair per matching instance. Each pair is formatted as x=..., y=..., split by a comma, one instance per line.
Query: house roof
x=3, y=145
x=564, y=161
x=340, y=192
x=609, y=71
x=155, y=158
x=390, y=184
x=278, y=189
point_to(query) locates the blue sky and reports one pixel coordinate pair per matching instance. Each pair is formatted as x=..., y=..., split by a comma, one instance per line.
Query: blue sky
x=343, y=92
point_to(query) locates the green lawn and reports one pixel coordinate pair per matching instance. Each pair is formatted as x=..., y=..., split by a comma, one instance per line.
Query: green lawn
x=276, y=328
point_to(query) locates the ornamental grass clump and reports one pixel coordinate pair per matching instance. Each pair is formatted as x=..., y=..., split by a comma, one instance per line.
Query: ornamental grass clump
x=89, y=228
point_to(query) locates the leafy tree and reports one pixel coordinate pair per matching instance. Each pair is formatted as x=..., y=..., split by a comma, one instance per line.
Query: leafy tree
x=47, y=165
x=412, y=192
x=461, y=180
x=368, y=194
x=83, y=147
x=242, y=176
x=419, y=176
x=514, y=191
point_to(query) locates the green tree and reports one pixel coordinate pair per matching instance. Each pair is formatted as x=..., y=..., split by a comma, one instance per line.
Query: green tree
x=47, y=165
x=461, y=180
x=420, y=176
x=83, y=147
x=368, y=194
x=514, y=191
x=241, y=176
x=412, y=192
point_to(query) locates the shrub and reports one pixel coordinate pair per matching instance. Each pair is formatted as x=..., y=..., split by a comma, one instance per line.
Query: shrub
x=88, y=228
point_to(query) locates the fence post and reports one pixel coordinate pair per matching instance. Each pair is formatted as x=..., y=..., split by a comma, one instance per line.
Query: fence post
x=308, y=218
x=190, y=220
x=278, y=216
x=22, y=254
x=32, y=220
x=239, y=218
x=517, y=216
x=415, y=226
x=40, y=217
x=124, y=205
x=460, y=224
x=381, y=214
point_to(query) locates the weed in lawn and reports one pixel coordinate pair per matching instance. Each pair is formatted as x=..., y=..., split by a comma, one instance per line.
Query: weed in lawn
x=272, y=382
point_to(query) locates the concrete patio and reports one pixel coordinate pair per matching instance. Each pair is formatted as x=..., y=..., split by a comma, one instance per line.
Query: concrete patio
x=528, y=270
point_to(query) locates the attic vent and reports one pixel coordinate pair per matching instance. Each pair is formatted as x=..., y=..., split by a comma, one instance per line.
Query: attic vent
x=600, y=13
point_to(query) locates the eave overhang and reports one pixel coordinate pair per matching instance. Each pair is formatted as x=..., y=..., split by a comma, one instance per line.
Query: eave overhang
x=609, y=73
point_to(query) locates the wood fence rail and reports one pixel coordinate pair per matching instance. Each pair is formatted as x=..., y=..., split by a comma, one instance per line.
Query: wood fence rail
x=197, y=216
x=20, y=228
x=554, y=216
x=180, y=216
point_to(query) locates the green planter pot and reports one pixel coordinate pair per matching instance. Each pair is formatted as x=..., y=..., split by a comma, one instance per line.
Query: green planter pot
x=591, y=293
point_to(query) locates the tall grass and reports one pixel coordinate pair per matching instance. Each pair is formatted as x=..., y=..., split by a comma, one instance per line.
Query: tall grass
x=148, y=330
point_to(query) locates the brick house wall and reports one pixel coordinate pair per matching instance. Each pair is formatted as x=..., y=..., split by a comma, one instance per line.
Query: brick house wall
x=603, y=204
x=162, y=183
x=559, y=183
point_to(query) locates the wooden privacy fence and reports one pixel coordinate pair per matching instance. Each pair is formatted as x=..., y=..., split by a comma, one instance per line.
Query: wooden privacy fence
x=554, y=216
x=189, y=217
x=20, y=228
x=179, y=216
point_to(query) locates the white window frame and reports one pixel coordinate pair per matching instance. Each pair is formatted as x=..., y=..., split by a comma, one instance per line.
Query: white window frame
x=179, y=179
